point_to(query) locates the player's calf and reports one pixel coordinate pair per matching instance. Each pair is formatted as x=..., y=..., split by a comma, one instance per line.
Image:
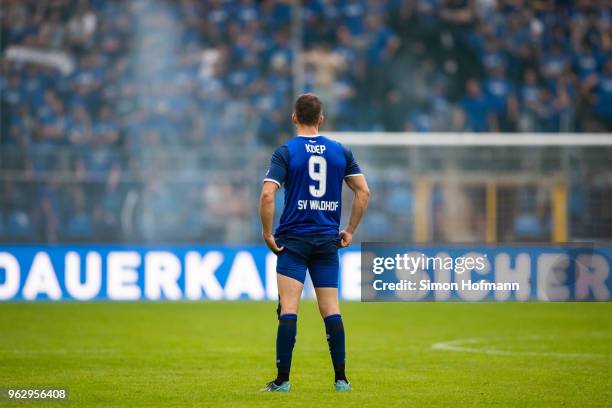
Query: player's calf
x=285, y=341
x=334, y=329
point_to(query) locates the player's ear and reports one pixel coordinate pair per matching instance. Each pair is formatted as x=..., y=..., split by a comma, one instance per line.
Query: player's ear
x=294, y=118
x=321, y=119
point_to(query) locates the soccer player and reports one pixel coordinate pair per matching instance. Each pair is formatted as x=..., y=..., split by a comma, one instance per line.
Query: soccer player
x=312, y=169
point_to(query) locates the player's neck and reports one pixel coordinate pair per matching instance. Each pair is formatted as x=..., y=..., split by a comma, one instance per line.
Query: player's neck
x=307, y=130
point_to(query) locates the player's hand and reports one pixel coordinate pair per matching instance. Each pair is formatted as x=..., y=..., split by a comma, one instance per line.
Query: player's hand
x=345, y=238
x=271, y=243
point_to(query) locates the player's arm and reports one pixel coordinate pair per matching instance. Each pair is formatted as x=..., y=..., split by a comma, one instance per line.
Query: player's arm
x=274, y=178
x=361, y=198
x=266, y=213
x=356, y=181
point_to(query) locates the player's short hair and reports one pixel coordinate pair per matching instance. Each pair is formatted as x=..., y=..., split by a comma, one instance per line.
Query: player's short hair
x=308, y=108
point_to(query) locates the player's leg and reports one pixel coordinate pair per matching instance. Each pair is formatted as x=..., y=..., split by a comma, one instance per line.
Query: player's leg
x=324, y=271
x=289, y=293
x=327, y=300
x=291, y=272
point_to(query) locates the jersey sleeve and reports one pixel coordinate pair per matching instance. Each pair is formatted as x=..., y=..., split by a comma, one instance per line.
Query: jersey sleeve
x=277, y=172
x=352, y=167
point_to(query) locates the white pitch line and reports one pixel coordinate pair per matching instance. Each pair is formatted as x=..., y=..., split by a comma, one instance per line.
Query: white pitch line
x=463, y=346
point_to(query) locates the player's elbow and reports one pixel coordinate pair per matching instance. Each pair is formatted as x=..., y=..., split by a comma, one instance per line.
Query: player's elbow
x=267, y=197
x=364, y=193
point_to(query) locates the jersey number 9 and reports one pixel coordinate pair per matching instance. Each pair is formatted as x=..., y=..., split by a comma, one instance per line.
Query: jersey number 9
x=317, y=170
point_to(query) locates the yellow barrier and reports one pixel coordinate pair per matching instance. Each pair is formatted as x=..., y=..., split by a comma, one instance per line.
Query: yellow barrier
x=559, y=210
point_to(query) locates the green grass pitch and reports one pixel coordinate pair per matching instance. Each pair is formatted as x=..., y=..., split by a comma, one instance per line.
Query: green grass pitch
x=221, y=353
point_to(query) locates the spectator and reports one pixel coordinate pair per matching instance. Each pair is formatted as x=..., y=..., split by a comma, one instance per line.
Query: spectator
x=597, y=88
x=104, y=130
x=501, y=98
x=80, y=127
x=477, y=112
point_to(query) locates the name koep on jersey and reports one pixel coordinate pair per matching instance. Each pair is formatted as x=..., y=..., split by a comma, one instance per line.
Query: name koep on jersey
x=320, y=205
x=318, y=149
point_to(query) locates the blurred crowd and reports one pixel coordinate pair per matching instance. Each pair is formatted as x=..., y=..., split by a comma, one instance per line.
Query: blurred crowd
x=462, y=65
x=113, y=82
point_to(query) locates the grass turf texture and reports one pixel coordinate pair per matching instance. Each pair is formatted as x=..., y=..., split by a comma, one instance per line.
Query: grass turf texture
x=220, y=354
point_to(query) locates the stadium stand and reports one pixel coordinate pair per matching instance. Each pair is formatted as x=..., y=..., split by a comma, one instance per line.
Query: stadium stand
x=111, y=109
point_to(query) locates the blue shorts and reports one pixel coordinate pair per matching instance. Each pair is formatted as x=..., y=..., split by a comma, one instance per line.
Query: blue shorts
x=318, y=254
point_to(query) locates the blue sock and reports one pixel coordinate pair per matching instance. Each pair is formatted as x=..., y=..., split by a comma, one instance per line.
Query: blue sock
x=285, y=340
x=335, y=338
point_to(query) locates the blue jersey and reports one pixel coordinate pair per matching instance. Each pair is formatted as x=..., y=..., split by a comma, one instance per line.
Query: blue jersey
x=312, y=170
